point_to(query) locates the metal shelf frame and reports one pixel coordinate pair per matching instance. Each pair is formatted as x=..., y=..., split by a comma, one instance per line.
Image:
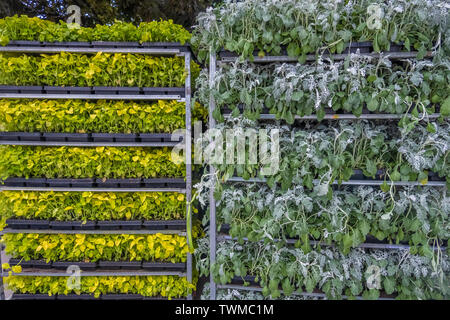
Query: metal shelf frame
x=187, y=140
x=213, y=63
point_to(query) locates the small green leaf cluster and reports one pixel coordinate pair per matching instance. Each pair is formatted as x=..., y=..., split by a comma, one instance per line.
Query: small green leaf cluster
x=94, y=247
x=350, y=86
x=417, y=216
x=82, y=206
x=362, y=272
x=100, y=162
x=26, y=28
x=149, y=286
x=77, y=116
x=331, y=152
x=312, y=26
x=103, y=69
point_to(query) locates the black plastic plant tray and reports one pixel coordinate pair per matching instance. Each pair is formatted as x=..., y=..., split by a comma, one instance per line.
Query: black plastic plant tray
x=74, y=44
x=88, y=137
x=160, y=266
x=75, y=297
x=20, y=136
x=100, y=44
x=124, y=137
x=80, y=225
x=129, y=265
x=116, y=225
x=164, y=182
x=358, y=175
x=27, y=224
x=61, y=225
x=164, y=91
x=63, y=265
x=40, y=264
x=67, y=90
x=92, y=91
x=21, y=89
x=117, y=90
x=109, y=265
x=25, y=43
x=108, y=225
x=121, y=297
x=131, y=225
x=158, y=137
x=239, y=280
x=28, y=296
x=118, y=183
x=115, y=44
x=164, y=225
x=24, y=264
x=96, y=183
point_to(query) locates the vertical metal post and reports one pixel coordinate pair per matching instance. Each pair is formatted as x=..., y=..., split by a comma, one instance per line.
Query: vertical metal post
x=2, y=288
x=2, y=284
x=212, y=201
x=188, y=152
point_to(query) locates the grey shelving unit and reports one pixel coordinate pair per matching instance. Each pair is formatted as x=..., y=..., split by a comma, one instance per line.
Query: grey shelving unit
x=214, y=237
x=155, y=51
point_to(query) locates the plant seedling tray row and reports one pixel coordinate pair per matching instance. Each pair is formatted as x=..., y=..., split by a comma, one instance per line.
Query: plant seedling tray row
x=102, y=44
x=112, y=91
x=88, y=137
x=17, y=296
x=265, y=112
x=100, y=265
x=363, y=47
x=95, y=183
x=21, y=224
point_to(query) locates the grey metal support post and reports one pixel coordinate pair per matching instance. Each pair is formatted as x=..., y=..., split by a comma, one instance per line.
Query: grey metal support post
x=188, y=152
x=212, y=201
x=2, y=287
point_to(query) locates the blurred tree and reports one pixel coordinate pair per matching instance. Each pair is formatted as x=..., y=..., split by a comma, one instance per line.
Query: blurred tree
x=106, y=11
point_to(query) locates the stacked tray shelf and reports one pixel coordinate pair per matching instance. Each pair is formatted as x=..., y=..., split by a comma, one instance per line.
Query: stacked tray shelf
x=180, y=185
x=223, y=57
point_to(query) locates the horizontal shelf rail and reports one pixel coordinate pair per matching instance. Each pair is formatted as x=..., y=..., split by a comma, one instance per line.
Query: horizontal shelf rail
x=57, y=189
x=304, y=294
x=42, y=224
x=354, y=182
x=51, y=231
x=99, y=265
x=90, y=139
x=90, y=96
x=46, y=273
x=338, y=116
x=343, y=56
x=96, y=185
x=319, y=243
x=88, y=144
x=86, y=50
x=85, y=296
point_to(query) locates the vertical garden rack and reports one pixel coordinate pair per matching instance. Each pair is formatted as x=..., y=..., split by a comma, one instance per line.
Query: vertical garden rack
x=155, y=49
x=228, y=57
